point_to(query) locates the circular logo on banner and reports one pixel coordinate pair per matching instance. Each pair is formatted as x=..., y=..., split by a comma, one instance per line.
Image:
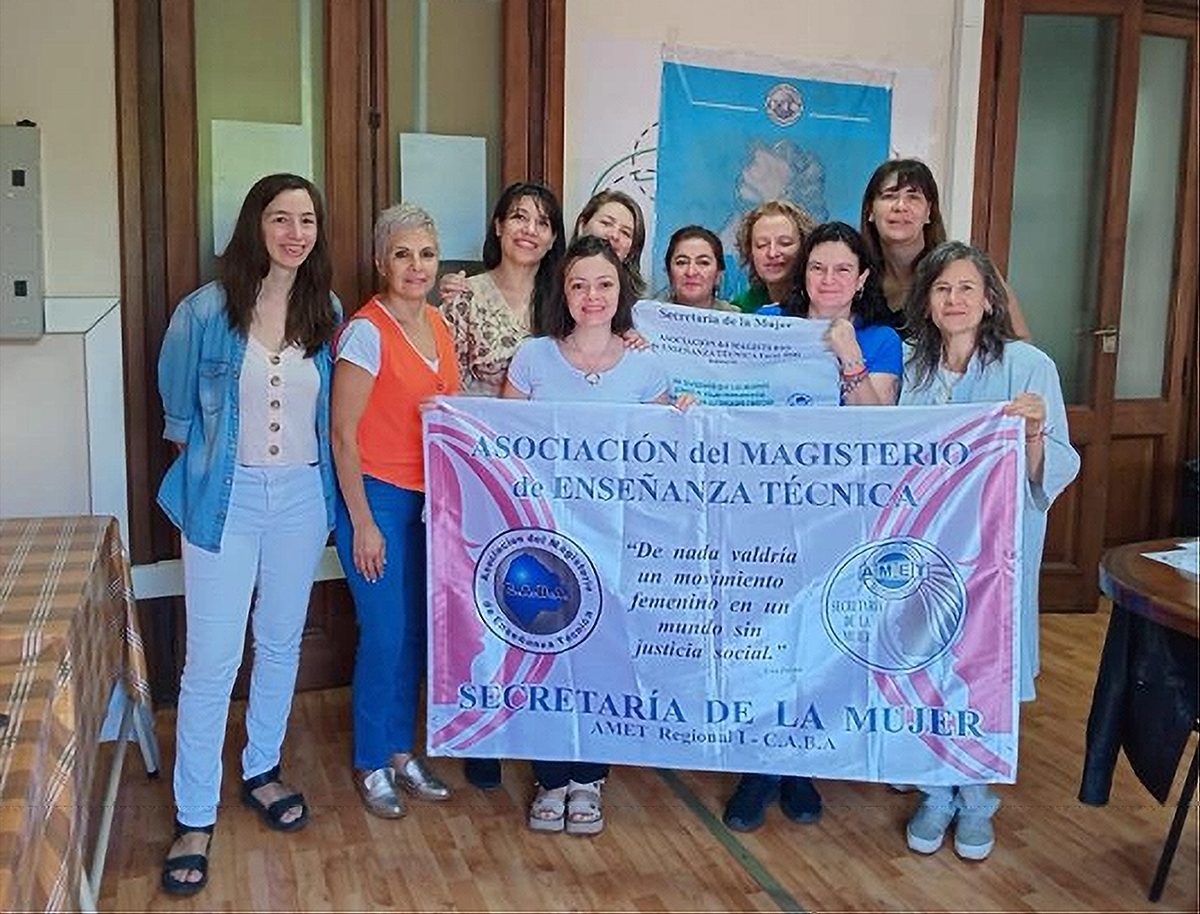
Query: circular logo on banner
x=799, y=398
x=784, y=104
x=537, y=590
x=895, y=605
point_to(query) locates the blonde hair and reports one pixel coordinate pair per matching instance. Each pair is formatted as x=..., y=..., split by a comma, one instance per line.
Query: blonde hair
x=800, y=218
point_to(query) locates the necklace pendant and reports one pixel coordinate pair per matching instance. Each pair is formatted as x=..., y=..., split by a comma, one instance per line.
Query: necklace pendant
x=592, y=377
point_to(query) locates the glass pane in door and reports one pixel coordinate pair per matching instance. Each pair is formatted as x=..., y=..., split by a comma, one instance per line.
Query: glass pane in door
x=259, y=105
x=445, y=115
x=1064, y=110
x=1150, y=244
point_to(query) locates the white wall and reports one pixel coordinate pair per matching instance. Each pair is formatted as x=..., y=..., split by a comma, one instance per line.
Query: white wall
x=612, y=47
x=57, y=68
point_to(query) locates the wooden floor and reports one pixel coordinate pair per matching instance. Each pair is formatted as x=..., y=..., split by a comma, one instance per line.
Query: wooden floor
x=664, y=848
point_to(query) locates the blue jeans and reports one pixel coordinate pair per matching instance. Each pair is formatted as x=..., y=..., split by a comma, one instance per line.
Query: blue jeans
x=271, y=543
x=390, y=660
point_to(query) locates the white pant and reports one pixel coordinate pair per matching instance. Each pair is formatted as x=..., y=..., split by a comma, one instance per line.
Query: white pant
x=275, y=529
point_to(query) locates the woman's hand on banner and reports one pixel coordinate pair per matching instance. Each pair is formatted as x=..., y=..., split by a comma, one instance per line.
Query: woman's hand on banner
x=843, y=341
x=684, y=402
x=634, y=340
x=1032, y=408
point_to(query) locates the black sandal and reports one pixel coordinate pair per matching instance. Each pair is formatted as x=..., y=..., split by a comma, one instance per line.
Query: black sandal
x=273, y=814
x=199, y=862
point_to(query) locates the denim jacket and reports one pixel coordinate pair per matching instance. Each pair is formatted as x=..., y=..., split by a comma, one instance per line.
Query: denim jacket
x=198, y=371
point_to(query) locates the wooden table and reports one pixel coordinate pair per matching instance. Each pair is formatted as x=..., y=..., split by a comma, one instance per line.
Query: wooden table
x=1155, y=619
x=71, y=658
x=1151, y=589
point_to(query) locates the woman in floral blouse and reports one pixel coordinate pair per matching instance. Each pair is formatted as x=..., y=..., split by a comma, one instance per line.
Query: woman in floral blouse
x=490, y=314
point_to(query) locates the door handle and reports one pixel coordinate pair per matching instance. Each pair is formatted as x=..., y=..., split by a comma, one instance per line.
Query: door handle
x=1108, y=338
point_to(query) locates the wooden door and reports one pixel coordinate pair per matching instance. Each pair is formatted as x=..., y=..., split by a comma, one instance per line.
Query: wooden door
x=202, y=82
x=1063, y=131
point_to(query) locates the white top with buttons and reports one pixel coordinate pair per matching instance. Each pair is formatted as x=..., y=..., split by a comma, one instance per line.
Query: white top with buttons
x=277, y=405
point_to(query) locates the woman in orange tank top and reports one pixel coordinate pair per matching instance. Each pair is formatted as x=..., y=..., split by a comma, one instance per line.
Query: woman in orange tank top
x=395, y=353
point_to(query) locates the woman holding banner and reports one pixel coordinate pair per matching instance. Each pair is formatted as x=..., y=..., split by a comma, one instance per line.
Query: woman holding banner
x=962, y=349
x=836, y=280
x=490, y=314
x=584, y=358
x=901, y=222
x=395, y=353
x=769, y=241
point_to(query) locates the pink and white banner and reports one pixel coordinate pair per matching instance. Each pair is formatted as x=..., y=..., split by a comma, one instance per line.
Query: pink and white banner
x=832, y=593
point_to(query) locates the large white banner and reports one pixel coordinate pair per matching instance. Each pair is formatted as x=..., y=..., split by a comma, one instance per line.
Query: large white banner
x=731, y=359
x=825, y=592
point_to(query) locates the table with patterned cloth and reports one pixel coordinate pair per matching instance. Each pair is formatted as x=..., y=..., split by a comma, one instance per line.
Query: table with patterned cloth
x=69, y=650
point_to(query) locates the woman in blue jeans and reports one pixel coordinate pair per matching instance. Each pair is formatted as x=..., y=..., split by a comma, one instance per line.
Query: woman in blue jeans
x=244, y=376
x=395, y=353
x=836, y=280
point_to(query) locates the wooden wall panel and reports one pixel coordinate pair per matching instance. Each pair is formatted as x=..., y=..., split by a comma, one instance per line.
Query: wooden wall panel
x=1129, y=515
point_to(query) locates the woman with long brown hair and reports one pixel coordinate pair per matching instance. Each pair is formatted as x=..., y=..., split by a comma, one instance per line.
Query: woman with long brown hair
x=244, y=376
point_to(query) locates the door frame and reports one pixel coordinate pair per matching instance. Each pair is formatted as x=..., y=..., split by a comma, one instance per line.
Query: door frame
x=1072, y=585
x=156, y=125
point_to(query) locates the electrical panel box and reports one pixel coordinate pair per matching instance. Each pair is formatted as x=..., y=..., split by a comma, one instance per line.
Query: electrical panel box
x=22, y=287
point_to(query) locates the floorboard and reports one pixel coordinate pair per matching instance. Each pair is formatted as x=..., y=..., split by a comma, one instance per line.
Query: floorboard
x=662, y=851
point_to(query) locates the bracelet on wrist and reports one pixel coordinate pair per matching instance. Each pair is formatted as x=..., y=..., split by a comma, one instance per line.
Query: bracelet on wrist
x=854, y=372
x=1036, y=436
x=850, y=382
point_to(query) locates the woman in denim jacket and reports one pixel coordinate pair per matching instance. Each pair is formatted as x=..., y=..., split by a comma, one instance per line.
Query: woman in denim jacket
x=244, y=376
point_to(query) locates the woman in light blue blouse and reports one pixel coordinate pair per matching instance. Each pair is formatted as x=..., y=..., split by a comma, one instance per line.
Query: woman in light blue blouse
x=584, y=358
x=962, y=349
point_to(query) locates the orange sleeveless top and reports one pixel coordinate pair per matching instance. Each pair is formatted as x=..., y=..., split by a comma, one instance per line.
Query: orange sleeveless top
x=389, y=431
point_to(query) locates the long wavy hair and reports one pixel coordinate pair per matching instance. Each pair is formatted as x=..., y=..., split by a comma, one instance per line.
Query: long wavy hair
x=633, y=262
x=908, y=173
x=925, y=339
x=868, y=305
x=548, y=205
x=559, y=322
x=245, y=262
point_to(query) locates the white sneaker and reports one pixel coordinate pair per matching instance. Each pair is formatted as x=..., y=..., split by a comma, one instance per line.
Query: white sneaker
x=974, y=836
x=927, y=828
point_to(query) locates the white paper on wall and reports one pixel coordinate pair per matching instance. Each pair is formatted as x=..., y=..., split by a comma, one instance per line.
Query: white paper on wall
x=243, y=152
x=447, y=175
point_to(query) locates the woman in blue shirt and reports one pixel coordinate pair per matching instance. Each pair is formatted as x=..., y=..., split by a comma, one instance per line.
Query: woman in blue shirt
x=836, y=280
x=244, y=378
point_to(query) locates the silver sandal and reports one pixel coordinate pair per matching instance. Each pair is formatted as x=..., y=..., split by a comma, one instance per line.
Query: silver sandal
x=585, y=814
x=548, y=810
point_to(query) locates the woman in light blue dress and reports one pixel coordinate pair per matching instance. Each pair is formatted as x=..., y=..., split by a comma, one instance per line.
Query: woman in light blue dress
x=962, y=349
